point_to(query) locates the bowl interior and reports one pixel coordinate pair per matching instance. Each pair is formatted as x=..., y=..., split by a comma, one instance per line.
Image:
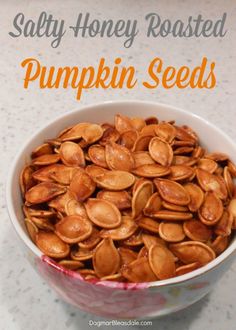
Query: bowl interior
x=210, y=137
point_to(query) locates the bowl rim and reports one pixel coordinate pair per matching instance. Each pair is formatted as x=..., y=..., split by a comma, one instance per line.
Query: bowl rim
x=160, y=283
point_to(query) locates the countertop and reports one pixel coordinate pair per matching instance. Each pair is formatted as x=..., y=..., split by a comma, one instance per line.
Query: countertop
x=26, y=302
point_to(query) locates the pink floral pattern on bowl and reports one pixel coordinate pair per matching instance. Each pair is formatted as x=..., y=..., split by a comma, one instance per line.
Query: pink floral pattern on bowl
x=128, y=300
x=112, y=299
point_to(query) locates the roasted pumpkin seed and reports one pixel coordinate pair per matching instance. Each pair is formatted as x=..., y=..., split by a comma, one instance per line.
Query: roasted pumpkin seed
x=103, y=213
x=172, y=192
x=106, y=258
x=161, y=261
x=161, y=151
x=193, y=251
x=51, y=245
x=171, y=232
x=73, y=229
x=43, y=192
x=71, y=154
x=125, y=230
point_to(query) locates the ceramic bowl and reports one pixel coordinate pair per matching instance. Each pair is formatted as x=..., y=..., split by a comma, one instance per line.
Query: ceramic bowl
x=112, y=299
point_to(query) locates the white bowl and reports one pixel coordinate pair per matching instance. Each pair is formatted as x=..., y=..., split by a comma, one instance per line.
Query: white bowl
x=110, y=299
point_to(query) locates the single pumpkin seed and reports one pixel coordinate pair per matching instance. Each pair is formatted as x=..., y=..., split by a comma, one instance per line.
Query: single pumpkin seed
x=115, y=180
x=71, y=154
x=197, y=231
x=211, y=210
x=96, y=154
x=124, y=231
x=103, y=213
x=193, y=251
x=161, y=261
x=123, y=123
x=141, y=197
x=180, y=172
x=172, y=192
x=208, y=165
x=71, y=264
x=142, y=143
x=73, y=229
x=106, y=258
x=187, y=268
x=73, y=133
x=232, y=211
x=118, y=157
x=171, y=232
x=165, y=131
x=211, y=182
x=92, y=133
x=121, y=199
x=128, y=139
x=74, y=207
x=161, y=151
x=82, y=186
x=196, y=196
x=43, y=192
x=51, y=245
x=151, y=171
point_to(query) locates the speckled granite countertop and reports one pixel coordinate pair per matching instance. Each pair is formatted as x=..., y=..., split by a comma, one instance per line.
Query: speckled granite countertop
x=26, y=302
